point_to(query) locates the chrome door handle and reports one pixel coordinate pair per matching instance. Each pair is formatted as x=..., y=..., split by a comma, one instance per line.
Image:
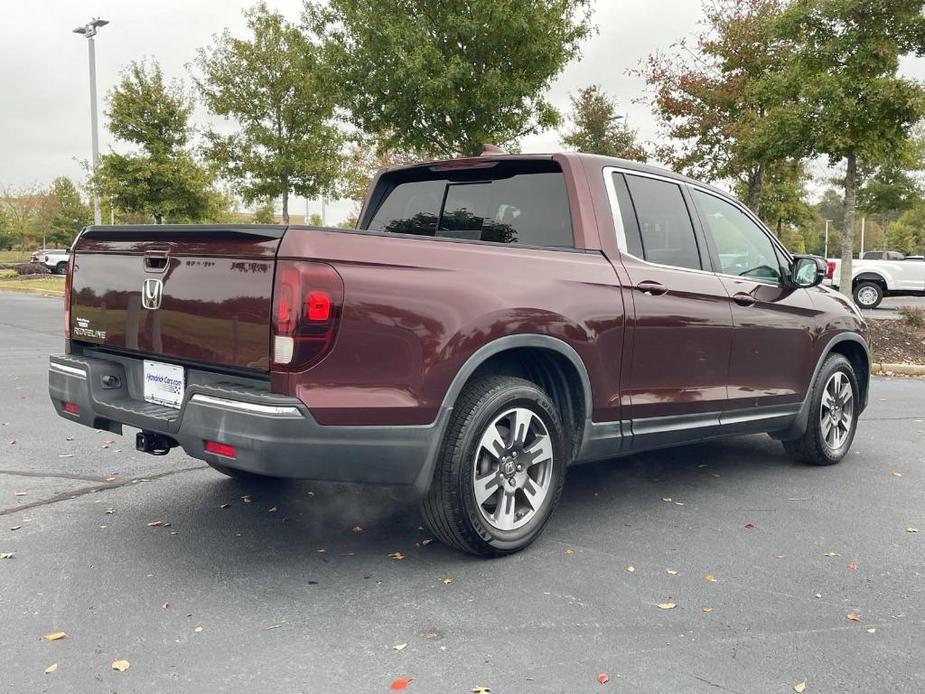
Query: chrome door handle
x=652, y=288
x=743, y=299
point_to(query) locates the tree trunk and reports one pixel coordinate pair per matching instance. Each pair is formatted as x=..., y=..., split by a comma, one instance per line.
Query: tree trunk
x=286, y=204
x=755, y=183
x=158, y=218
x=847, y=236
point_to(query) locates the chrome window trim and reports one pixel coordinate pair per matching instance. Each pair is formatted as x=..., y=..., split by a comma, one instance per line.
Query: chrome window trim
x=68, y=370
x=250, y=407
x=616, y=214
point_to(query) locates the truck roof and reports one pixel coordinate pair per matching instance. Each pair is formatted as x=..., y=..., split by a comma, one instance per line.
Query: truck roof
x=569, y=156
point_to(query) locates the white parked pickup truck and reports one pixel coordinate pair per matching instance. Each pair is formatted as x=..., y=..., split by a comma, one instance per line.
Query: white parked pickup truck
x=54, y=259
x=871, y=279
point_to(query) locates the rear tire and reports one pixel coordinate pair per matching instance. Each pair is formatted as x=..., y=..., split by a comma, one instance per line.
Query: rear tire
x=500, y=470
x=833, y=415
x=868, y=295
x=61, y=268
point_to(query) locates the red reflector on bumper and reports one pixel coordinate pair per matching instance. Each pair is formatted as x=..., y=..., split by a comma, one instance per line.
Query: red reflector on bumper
x=221, y=449
x=70, y=408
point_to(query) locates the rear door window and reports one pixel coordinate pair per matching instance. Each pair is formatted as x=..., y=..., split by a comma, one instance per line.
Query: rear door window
x=665, y=226
x=501, y=205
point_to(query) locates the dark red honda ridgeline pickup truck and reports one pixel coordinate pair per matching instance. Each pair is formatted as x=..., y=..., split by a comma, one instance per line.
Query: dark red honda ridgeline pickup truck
x=490, y=322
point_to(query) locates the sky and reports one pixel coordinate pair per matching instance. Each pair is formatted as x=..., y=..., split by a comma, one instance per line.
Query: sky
x=45, y=111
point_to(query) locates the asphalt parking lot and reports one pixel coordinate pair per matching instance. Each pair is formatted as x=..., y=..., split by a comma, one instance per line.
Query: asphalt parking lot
x=279, y=593
x=887, y=309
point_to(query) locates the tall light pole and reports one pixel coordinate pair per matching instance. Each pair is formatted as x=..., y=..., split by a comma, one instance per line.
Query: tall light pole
x=88, y=31
x=826, y=251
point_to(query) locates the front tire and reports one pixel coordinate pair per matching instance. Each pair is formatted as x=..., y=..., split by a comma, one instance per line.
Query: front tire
x=833, y=415
x=501, y=468
x=868, y=295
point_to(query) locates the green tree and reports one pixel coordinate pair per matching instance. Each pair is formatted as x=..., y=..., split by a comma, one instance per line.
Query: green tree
x=365, y=157
x=20, y=212
x=598, y=129
x=709, y=98
x=839, y=94
x=62, y=213
x=161, y=179
x=907, y=234
x=275, y=85
x=781, y=201
x=263, y=213
x=442, y=77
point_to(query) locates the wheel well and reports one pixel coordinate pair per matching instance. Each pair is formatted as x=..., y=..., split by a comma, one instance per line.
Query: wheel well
x=868, y=277
x=854, y=352
x=551, y=371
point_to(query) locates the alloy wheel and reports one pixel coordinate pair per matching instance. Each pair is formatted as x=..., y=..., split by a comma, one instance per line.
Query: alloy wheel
x=867, y=296
x=836, y=415
x=513, y=469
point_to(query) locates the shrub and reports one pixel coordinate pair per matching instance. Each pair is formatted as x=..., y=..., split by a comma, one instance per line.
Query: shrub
x=913, y=316
x=7, y=274
x=32, y=269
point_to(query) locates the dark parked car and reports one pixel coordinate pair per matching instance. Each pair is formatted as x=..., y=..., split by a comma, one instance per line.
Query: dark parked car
x=490, y=322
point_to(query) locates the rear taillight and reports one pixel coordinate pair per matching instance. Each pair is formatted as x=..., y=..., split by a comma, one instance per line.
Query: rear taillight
x=70, y=408
x=68, y=282
x=830, y=270
x=307, y=302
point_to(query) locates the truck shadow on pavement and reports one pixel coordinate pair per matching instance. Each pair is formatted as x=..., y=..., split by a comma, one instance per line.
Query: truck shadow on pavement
x=324, y=531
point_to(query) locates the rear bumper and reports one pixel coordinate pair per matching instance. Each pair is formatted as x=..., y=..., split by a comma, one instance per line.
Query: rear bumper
x=273, y=435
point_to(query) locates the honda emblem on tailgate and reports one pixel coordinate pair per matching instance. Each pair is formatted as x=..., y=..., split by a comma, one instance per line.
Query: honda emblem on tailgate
x=151, y=293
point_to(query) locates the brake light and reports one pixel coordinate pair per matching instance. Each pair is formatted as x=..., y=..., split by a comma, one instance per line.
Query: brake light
x=307, y=302
x=68, y=281
x=70, y=408
x=830, y=270
x=222, y=449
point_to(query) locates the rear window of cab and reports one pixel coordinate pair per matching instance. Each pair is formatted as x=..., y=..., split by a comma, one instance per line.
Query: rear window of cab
x=514, y=202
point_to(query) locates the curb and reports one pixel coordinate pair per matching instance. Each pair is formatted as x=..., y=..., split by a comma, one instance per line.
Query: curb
x=881, y=369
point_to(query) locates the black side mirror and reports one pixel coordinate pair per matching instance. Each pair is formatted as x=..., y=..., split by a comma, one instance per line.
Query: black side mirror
x=807, y=270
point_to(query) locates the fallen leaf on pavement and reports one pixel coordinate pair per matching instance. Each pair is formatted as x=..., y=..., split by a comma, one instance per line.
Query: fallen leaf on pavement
x=246, y=498
x=666, y=499
x=55, y=636
x=66, y=455
x=165, y=606
x=896, y=473
x=912, y=530
x=709, y=578
x=478, y=689
x=603, y=678
x=198, y=628
x=272, y=626
x=666, y=606
x=800, y=687
x=51, y=668
x=396, y=556
x=570, y=551
x=7, y=555
x=399, y=646
x=225, y=506
x=155, y=524
x=872, y=630
x=400, y=683
x=19, y=493
x=357, y=529
x=273, y=509
x=631, y=568
x=16, y=527
x=831, y=554
x=679, y=503
x=446, y=581
x=750, y=526
x=707, y=609
x=120, y=665
x=671, y=572
x=854, y=617
x=852, y=565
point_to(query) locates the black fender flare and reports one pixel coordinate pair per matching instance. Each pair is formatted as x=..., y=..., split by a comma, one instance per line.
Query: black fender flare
x=475, y=360
x=800, y=423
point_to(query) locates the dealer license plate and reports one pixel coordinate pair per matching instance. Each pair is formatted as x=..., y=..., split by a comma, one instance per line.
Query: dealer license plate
x=164, y=383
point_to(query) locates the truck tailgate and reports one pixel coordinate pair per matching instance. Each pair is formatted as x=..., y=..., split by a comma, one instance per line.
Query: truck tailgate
x=183, y=293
